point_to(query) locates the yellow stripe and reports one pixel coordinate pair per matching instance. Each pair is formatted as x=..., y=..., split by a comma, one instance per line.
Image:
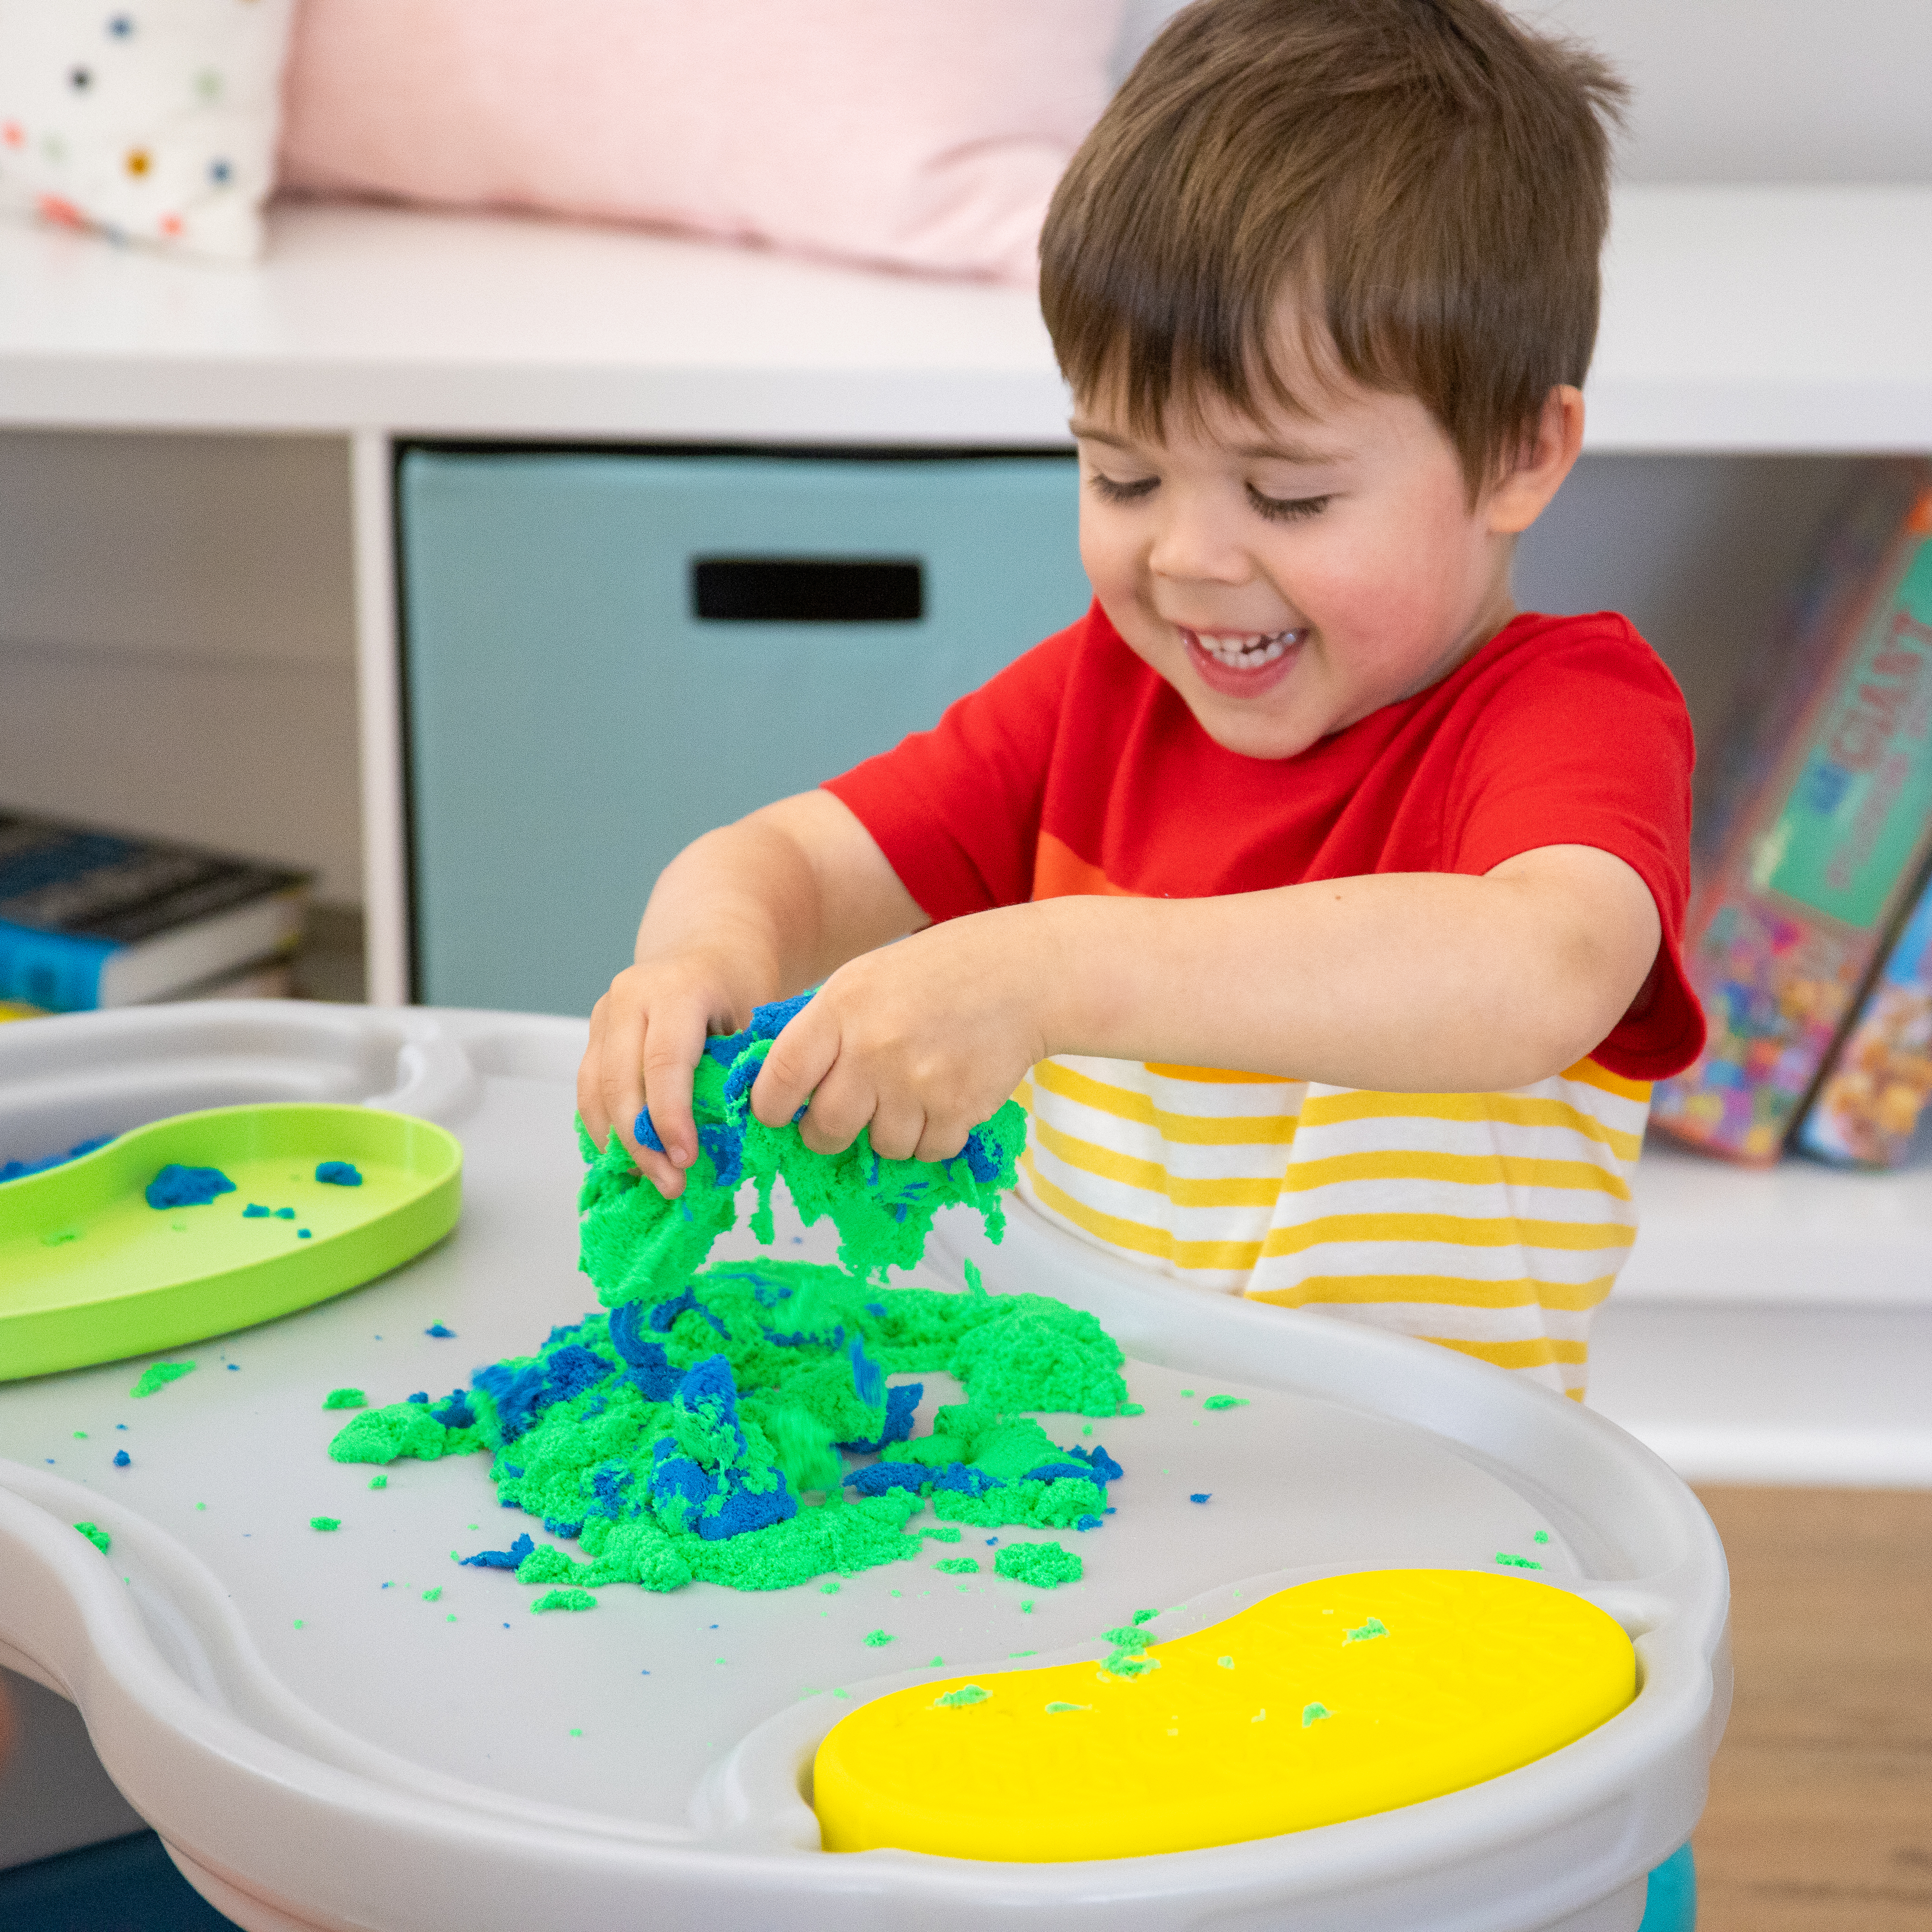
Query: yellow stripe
x=1453, y=1291
x=1510, y=1109
x=1210, y=1076
x=1536, y=1353
x=1264, y=1190
x=1454, y=1230
x=1576, y=1395
x=1588, y=1073
x=1183, y=1129
x=1233, y=1256
x=1238, y=1191
x=1470, y=1170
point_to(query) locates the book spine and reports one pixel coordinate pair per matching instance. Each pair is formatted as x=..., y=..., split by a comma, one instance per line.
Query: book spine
x=1869, y=1101
x=1787, y=932
x=60, y=971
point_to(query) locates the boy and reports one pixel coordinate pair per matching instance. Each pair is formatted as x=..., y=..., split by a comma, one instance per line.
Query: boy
x=1303, y=795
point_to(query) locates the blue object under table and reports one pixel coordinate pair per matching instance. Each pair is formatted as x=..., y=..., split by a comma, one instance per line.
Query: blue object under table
x=127, y=1885
x=1671, y=1906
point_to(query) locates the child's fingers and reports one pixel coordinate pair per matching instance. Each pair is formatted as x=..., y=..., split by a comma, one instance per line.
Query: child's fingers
x=804, y=1066
x=670, y=1052
x=896, y=1132
x=940, y=1139
x=838, y=1110
x=799, y=1059
x=591, y=1109
x=617, y=1052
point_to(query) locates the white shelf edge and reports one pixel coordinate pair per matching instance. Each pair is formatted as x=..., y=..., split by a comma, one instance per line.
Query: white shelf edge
x=1736, y=319
x=1799, y=1235
x=1793, y=1457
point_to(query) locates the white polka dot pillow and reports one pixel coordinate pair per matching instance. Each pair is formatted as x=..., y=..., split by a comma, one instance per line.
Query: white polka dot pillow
x=151, y=121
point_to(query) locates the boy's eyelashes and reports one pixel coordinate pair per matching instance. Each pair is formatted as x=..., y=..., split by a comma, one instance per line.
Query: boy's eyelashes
x=1111, y=491
x=1274, y=509
x=1286, y=509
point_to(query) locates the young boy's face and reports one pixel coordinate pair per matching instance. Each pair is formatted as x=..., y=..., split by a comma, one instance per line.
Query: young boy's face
x=1289, y=574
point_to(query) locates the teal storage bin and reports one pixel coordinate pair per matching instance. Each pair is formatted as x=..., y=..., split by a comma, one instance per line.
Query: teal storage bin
x=607, y=654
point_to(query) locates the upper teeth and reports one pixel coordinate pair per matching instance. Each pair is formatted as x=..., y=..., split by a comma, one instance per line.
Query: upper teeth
x=1252, y=648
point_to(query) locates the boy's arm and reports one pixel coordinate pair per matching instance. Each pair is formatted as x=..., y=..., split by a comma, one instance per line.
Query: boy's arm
x=1422, y=982
x=750, y=913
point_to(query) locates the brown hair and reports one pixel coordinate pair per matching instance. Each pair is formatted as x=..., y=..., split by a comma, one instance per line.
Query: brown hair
x=1429, y=177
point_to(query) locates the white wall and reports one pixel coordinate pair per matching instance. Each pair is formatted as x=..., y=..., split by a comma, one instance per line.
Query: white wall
x=1697, y=551
x=176, y=648
x=1744, y=90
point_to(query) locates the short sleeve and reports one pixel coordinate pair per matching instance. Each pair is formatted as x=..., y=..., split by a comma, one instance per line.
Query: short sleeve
x=1589, y=743
x=956, y=810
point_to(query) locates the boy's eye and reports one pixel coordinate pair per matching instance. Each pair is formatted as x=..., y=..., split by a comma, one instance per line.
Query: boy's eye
x=1110, y=491
x=1286, y=509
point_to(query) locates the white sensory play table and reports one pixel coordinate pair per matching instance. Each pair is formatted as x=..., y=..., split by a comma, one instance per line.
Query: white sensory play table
x=322, y=1747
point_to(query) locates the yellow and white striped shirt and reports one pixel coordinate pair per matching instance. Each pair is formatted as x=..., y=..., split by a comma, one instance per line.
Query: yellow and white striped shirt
x=1492, y=1223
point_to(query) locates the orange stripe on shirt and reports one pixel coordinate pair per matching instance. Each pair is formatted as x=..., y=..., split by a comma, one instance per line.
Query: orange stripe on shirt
x=1590, y=1074
x=1059, y=872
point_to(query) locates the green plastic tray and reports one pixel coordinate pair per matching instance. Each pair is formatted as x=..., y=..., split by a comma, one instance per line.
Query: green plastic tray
x=90, y=1273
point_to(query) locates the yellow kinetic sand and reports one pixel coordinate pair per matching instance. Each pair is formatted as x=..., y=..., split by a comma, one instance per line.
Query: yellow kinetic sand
x=1332, y=1700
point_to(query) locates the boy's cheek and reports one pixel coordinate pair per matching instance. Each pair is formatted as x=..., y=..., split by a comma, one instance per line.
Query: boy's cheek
x=1114, y=565
x=1108, y=561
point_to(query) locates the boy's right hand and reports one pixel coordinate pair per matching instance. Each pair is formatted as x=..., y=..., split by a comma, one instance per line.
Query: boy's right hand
x=646, y=1034
x=745, y=914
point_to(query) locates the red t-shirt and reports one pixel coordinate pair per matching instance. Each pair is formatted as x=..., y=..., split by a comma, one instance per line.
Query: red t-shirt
x=1079, y=770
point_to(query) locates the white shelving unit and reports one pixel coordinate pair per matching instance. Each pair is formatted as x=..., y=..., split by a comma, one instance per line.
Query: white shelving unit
x=1737, y=319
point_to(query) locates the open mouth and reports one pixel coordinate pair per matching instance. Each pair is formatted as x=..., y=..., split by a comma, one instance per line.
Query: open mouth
x=1245, y=650
x=1241, y=663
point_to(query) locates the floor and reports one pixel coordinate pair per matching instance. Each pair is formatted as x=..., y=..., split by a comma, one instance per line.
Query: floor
x=1820, y=1817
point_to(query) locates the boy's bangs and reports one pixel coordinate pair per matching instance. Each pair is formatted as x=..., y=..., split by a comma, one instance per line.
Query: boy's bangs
x=1167, y=352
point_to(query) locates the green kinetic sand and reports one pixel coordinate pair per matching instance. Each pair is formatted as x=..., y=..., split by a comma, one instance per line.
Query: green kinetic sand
x=1042, y=1566
x=702, y=1425
x=158, y=1375
x=565, y=1600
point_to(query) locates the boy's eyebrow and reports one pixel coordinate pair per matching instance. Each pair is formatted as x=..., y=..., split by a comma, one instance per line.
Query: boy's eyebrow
x=1086, y=432
x=1289, y=452
x=1303, y=453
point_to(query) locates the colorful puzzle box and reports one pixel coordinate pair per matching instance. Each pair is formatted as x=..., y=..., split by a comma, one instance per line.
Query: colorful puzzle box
x=1869, y=1103
x=1817, y=832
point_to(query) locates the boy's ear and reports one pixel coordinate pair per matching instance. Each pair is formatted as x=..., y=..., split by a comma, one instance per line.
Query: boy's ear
x=1545, y=458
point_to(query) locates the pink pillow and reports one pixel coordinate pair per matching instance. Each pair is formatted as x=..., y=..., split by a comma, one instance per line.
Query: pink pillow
x=926, y=134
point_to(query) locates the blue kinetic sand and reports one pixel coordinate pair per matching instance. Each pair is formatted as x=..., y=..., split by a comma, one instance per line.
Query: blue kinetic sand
x=179, y=1186
x=18, y=1170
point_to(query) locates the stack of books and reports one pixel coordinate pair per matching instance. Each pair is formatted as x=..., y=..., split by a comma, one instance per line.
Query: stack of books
x=1814, y=853
x=90, y=918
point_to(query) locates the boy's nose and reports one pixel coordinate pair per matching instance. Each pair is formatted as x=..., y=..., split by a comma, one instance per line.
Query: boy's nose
x=1194, y=548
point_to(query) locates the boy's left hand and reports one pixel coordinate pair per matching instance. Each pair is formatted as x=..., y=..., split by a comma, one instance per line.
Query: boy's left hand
x=920, y=1041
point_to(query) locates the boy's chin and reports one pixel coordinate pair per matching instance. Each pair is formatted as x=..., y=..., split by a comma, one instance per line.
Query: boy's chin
x=1251, y=729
